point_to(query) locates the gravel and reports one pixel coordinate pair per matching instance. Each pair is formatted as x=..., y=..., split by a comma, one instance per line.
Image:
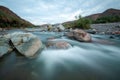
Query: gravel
x=106, y=27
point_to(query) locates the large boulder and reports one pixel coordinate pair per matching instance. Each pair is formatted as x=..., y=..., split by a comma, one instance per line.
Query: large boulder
x=79, y=35
x=26, y=43
x=4, y=46
x=57, y=44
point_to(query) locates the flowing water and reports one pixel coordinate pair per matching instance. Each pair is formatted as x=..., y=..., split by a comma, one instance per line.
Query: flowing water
x=98, y=60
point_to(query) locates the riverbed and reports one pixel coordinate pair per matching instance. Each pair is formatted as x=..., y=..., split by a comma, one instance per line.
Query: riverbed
x=97, y=60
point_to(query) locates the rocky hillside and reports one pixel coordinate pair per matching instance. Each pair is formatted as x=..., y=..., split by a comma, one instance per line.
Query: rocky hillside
x=108, y=12
x=9, y=19
x=108, y=16
x=94, y=16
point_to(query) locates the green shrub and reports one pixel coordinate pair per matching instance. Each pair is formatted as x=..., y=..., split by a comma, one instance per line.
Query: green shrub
x=82, y=23
x=107, y=19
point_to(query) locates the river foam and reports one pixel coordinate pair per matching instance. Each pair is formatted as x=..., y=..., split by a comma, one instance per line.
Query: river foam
x=68, y=59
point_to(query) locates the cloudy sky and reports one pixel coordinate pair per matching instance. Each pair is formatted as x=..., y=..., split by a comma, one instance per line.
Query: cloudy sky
x=57, y=11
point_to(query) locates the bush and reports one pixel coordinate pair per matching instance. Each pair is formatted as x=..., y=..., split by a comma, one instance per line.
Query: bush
x=82, y=23
x=107, y=19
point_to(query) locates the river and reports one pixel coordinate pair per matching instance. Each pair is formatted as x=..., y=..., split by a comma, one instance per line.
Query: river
x=98, y=60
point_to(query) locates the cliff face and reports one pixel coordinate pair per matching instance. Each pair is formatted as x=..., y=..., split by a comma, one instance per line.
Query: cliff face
x=9, y=19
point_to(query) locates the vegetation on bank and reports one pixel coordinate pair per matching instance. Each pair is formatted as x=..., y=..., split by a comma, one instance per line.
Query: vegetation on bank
x=10, y=20
x=84, y=23
x=107, y=19
x=81, y=22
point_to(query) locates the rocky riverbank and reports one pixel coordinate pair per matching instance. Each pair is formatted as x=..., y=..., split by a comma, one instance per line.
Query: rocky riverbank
x=106, y=28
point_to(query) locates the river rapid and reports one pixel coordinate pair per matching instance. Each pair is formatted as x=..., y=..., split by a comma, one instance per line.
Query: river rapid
x=98, y=60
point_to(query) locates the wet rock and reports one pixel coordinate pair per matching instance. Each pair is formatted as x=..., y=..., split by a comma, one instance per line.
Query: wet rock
x=111, y=37
x=91, y=31
x=26, y=43
x=50, y=38
x=4, y=46
x=116, y=32
x=79, y=35
x=69, y=34
x=58, y=27
x=52, y=44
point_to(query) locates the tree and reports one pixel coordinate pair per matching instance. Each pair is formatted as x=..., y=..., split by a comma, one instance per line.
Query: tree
x=82, y=23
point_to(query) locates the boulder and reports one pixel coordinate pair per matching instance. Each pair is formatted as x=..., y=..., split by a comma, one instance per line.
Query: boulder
x=79, y=35
x=69, y=34
x=50, y=38
x=52, y=44
x=4, y=46
x=58, y=27
x=26, y=43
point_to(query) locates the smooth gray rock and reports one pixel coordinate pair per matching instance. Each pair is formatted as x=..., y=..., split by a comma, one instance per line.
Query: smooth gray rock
x=53, y=44
x=26, y=43
x=4, y=46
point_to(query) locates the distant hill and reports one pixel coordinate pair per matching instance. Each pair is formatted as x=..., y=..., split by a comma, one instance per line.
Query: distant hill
x=108, y=12
x=110, y=15
x=93, y=16
x=9, y=19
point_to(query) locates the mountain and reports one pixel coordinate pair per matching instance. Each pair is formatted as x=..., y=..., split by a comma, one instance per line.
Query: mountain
x=93, y=16
x=110, y=15
x=108, y=12
x=8, y=19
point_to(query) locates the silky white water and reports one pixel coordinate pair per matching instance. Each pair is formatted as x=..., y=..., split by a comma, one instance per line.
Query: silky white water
x=98, y=60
